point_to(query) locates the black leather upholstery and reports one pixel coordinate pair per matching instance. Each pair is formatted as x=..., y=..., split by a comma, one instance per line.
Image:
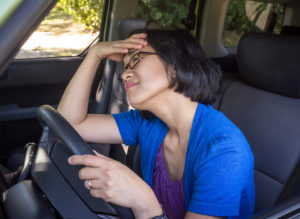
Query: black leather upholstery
x=264, y=103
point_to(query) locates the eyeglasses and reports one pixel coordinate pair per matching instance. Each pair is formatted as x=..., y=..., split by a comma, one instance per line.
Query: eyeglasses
x=134, y=60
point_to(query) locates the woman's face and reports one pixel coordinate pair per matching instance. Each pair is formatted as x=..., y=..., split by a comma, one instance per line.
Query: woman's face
x=147, y=82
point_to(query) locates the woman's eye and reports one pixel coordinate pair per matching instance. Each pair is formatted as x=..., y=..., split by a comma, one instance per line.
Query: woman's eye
x=135, y=59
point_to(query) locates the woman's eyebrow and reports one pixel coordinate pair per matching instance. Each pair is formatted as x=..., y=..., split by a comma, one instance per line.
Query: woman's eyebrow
x=130, y=53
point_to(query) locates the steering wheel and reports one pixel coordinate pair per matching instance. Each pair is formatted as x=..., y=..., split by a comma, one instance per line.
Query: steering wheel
x=60, y=182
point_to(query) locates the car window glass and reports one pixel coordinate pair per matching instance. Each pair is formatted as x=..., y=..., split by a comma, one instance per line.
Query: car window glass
x=167, y=13
x=249, y=16
x=7, y=8
x=66, y=31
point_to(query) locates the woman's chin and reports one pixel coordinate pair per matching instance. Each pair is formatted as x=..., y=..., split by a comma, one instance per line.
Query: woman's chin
x=132, y=103
x=136, y=104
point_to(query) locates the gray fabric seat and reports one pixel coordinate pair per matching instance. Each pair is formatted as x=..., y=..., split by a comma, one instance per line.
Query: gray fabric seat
x=264, y=102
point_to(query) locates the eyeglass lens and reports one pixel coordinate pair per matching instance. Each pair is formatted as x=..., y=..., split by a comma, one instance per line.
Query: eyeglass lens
x=134, y=60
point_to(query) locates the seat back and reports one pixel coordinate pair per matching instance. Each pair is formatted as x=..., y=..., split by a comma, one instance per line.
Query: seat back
x=118, y=100
x=111, y=95
x=265, y=104
x=291, y=30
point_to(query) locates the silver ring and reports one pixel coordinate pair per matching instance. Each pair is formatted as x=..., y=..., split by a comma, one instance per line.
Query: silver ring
x=90, y=184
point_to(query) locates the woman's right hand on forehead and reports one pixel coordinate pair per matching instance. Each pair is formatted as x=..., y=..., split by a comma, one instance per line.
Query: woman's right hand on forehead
x=115, y=50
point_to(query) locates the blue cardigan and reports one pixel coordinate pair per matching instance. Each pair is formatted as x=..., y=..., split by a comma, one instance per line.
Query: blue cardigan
x=219, y=165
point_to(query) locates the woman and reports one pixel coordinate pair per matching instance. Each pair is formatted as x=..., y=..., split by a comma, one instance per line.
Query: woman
x=195, y=162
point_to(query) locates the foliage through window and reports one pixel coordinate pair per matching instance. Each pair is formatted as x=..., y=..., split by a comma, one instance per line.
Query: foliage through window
x=70, y=27
x=167, y=13
x=246, y=16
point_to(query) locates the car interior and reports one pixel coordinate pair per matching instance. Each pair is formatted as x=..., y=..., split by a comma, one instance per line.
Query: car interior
x=259, y=92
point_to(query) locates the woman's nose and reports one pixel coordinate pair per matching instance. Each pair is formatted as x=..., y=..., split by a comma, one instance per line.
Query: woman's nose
x=126, y=74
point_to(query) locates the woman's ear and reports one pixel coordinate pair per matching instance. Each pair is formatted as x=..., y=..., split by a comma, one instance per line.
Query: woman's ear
x=171, y=73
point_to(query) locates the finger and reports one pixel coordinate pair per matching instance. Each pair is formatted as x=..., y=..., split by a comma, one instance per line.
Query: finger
x=86, y=160
x=91, y=184
x=97, y=154
x=114, y=50
x=89, y=173
x=97, y=193
x=128, y=45
x=102, y=193
x=139, y=35
x=137, y=40
x=118, y=50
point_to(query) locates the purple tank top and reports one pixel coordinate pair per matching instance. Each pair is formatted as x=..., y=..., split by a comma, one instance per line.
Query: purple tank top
x=169, y=194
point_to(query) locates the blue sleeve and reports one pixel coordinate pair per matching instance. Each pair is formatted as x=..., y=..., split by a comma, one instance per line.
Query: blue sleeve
x=128, y=124
x=219, y=181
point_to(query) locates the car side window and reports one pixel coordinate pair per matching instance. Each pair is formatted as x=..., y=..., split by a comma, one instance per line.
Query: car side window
x=250, y=16
x=67, y=31
x=167, y=13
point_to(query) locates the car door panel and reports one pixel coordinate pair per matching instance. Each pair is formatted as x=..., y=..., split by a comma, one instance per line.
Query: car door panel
x=26, y=85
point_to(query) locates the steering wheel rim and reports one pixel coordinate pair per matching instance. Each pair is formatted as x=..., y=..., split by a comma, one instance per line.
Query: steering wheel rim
x=55, y=124
x=62, y=129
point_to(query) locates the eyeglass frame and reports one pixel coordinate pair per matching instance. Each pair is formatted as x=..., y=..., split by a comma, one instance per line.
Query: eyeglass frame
x=140, y=53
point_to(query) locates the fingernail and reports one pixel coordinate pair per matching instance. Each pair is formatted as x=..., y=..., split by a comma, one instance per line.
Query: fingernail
x=100, y=155
x=70, y=160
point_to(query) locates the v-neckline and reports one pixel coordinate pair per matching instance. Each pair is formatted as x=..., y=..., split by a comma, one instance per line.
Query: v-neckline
x=197, y=115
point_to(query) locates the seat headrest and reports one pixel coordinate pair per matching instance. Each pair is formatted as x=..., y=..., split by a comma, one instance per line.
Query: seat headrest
x=127, y=26
x=290, y=30
x=271, y=62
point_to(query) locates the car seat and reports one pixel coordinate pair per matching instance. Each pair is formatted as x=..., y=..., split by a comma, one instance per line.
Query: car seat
x=290, y=30
x=119, y=101
x=264, y=102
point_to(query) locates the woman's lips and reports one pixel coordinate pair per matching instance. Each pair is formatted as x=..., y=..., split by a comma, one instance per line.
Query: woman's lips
x=130, y=85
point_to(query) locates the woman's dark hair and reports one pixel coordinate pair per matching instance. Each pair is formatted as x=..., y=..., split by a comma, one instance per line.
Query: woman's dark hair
x=197, y=76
